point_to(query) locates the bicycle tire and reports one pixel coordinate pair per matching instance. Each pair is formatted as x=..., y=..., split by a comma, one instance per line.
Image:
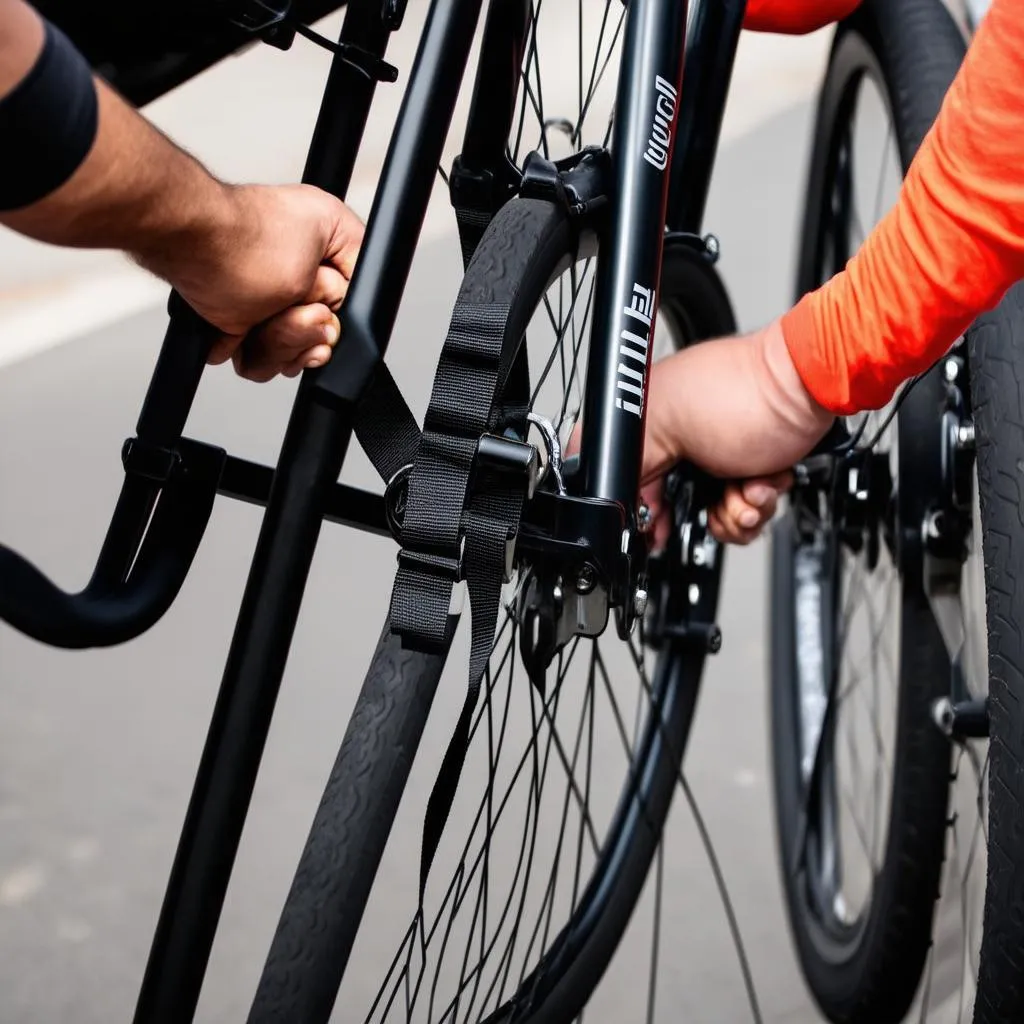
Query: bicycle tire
x=871, y=972
x=525, y=245
x=997, y=383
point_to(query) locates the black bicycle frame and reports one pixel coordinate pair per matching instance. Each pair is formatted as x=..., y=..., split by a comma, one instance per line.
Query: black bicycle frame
x=665, y=137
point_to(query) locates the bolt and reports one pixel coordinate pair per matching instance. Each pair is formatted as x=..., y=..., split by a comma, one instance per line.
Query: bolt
x=951, y=370
x=965, y=435
x=699, y=555
x=934, y=525
x=693, y=593
x=712, y=247
x=585, y=580
x=644, y=518
x=640, y=601
x=942, y=714
x=702, y=517
x=714, y=640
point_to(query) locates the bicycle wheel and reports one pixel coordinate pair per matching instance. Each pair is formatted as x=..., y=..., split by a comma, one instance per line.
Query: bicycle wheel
x=861, y=897
x=559, y=811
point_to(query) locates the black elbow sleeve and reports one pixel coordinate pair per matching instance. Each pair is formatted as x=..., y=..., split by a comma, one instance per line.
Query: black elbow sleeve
x=48, y=123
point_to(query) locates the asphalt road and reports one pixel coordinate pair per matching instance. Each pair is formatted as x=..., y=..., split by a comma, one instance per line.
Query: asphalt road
x=98, y=749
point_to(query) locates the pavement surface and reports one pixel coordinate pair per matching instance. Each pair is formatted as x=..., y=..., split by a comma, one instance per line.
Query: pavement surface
x=98, y=749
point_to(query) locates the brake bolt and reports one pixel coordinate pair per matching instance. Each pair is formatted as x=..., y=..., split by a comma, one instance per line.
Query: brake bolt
x=644, y=519
x=639, y=601
x=585, y=580
x=965, y=435
x=714, y=640
x=951, y=370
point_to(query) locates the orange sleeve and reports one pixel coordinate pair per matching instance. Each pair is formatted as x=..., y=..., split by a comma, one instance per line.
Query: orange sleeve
x=795, y=17
x=947, y=251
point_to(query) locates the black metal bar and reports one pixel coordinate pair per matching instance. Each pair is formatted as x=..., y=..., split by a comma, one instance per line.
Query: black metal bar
x=310, y=462
x=710, y=52
x=493, y=107
x=393, y=227
x=311, y=458
x=346, y=102
x=629, y=265
x=348, y=506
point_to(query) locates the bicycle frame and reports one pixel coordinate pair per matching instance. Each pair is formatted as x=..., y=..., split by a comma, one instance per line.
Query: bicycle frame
x=663, y=148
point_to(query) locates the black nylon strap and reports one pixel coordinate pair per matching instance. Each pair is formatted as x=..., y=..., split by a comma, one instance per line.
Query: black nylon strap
x=456, y=526
x=385, y=427
x=472, y=224
x=450, y=532
x=487, y=523
x=462, y=406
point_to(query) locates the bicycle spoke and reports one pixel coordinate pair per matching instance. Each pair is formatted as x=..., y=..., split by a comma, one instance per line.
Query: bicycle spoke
x=879, y=190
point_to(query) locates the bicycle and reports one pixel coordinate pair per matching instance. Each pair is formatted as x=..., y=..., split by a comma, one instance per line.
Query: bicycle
x=551, y=549
x=896, y=531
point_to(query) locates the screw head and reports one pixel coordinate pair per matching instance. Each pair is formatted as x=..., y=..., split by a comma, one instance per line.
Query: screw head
x=712, y=246
x=951, y=370
x=699, y=555
x=644, y=519
x=585, y=580
x=714, y=640
x=693, y=593
x=965, y=435
x=640, y=601
x=942, y=714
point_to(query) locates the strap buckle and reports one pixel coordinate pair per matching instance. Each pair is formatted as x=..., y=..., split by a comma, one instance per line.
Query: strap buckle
x=149, y=461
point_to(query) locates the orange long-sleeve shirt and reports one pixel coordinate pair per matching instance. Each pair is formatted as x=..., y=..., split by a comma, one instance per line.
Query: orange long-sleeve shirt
x=947, y=251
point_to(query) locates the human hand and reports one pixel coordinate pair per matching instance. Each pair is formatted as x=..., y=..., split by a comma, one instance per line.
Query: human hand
x=737, y=408
x=270, y=269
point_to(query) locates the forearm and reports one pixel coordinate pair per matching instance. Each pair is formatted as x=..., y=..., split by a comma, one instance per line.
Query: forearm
x=134, y=191
x=946, y=252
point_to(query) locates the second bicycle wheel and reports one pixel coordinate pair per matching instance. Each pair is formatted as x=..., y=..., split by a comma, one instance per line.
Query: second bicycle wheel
x=876, y=816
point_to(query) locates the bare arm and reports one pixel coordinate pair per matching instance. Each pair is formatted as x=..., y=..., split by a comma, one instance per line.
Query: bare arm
x=239, y=254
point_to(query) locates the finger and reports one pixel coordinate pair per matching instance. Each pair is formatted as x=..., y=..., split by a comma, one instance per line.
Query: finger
x=757, y=492
x=739, y=512
x=716, y=527
x=310, y=360
x=245, y=368
x=286, y=337
x=330, y=286
x=762, y=491
x=224, y=348
x=294, y=331
x=727, y=531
